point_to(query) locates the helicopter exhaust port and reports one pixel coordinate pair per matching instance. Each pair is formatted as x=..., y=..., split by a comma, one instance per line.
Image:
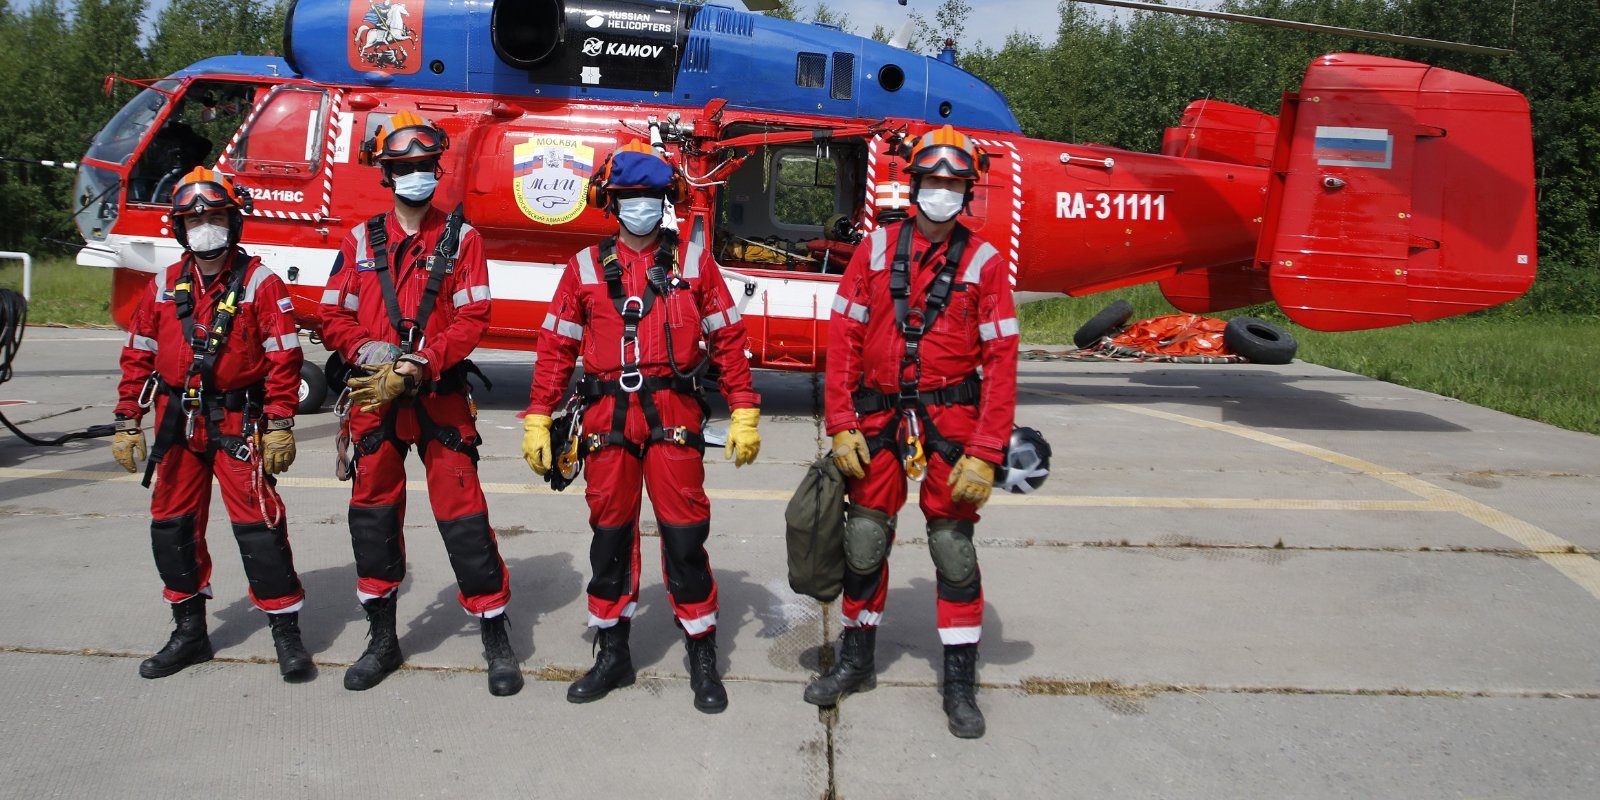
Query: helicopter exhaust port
x=526, y=32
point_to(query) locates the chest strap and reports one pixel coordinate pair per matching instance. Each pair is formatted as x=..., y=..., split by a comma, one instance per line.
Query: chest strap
x=443, y=262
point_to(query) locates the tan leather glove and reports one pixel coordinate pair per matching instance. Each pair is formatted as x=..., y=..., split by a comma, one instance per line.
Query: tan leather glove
x=374, y=391
x=536, y=442
x=277, y=451
x=128, y=448
x=744, y=442
x=850, y=453
x=971, y=479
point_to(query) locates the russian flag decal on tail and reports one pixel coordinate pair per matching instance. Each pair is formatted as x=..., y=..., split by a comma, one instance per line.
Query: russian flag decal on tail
x=1354, y=147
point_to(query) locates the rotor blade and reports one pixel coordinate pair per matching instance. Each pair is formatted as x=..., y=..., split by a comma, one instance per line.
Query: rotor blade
x=762, y=5
x=1356, y=33
x=903, y=36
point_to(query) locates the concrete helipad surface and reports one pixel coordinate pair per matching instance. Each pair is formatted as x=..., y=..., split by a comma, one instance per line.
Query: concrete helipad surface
x=1240, y=581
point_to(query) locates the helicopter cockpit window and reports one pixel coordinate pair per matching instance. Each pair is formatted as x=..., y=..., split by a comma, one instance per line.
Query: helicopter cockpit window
x=286, y=137
x=805, y=190
x=122, y=135
x=207, y=115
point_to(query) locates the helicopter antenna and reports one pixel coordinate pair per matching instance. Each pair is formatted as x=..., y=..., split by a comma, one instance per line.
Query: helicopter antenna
x=1312, y=27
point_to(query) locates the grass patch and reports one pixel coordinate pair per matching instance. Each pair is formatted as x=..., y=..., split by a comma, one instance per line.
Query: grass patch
x=1534, y=367
x=63, y=292
x=1089, y=688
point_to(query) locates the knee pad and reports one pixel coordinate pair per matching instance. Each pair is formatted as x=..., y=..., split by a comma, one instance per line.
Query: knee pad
x=866, y=539
x=172, y=541
x=688, y=565
x=473, y=554
x=375, y=535
x=611, y=557
x=268, y=564
x=950, y=544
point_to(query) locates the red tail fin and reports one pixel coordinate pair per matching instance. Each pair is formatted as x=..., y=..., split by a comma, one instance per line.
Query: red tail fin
x=1399, y=193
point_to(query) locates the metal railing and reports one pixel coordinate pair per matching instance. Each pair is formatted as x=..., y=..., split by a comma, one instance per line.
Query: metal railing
x=27, y=271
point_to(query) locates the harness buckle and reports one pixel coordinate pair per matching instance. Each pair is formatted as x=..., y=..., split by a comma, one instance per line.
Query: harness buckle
x=408, y=334
x=912, y=457
x=679, y=435
x=631, y=381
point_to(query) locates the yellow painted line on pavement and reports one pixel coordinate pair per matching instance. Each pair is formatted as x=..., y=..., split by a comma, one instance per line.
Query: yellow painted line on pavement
x=1550, y=548
x=782, y=496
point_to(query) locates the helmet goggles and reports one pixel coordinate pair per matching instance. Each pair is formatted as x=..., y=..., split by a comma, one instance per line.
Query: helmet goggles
x=413, y=142
x=199, y=197
x=943, y=160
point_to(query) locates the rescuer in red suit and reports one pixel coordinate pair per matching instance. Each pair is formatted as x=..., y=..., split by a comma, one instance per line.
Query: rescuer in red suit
x=406, y=303
x=212, y=348
x=921, y=382
x=638, y=307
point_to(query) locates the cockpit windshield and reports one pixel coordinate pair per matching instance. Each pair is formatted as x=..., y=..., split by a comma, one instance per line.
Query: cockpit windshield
x=118, y=140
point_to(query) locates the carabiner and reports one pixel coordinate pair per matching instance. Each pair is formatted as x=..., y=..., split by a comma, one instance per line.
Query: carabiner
x=912, y=457
x=147, y=393
x=341, y=406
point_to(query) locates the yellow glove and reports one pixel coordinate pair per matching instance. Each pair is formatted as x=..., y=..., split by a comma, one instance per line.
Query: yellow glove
x=277, y=451
x=972, y=479
x=850, y=453
x=743, y=440
x=128, y=448
x=536, y=442
x=374, y=391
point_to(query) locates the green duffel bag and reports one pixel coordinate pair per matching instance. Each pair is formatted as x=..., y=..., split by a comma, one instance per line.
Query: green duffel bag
x=815, y=522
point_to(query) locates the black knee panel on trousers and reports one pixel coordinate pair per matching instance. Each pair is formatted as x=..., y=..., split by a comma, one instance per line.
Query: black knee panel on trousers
x=267, y=562
x=375, y=536
x=862, y=587
x=688, y=566
x=961, y=594
x=473, y=554
x=173, y=543
x=611, y=558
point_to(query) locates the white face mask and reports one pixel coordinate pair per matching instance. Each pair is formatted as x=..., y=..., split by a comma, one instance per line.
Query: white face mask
x=208, y=237
x=940, y=205
x=641, y=215
x=416, y=187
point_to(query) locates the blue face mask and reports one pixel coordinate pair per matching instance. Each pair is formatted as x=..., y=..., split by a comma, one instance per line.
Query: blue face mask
x=416, y=187
x=641, y=215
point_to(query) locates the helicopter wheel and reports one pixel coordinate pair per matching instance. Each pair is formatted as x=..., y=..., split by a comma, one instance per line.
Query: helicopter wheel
x=313, y=389
x=1103, y=324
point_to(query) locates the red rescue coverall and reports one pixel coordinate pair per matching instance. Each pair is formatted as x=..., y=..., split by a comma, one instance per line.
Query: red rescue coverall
x=977, y=329
x=261, y=354
x=584, y=317
x=353, y=313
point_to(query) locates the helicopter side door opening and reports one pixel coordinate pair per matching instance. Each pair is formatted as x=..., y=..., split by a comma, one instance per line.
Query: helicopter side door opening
x=793, y=208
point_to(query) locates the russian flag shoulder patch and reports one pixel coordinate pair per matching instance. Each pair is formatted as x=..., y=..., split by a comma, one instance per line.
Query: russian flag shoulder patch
x=285, y=305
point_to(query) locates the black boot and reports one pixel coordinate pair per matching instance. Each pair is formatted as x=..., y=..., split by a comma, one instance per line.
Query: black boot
x=383, y=647
x=960, y=690
x=709, y=696
x=853, y=672
x=294, y=663
x=613, y=668
x=189, y=643
x=505, y=677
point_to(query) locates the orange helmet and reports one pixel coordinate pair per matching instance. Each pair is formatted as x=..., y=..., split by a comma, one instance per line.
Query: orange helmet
x=945, y=152
x=635, y=166
x=411, y=138
x=205, y=190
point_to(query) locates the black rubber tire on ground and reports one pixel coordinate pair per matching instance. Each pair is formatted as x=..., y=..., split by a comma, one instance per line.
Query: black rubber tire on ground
x=313, y=389
x=1259, y=341
x=1104, y=323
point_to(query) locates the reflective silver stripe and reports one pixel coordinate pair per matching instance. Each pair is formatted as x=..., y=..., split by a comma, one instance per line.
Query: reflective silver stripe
x=993, y=330
x=852, y=310
x=291, y=341
x=879, y=241
x=144, y=343
x=979, y=260
x=733, y=315
x=469, y=295
x=257, y=278
x=361, y=245
x=352, y=302
x=586, y=273
x=330, y=297
x=159, y=286
x=270, y=345
x=571, y=330
x=715, y=322
x=691, y=261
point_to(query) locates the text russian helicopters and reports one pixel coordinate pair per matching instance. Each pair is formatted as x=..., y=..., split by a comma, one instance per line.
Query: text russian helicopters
x=1385, y=192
